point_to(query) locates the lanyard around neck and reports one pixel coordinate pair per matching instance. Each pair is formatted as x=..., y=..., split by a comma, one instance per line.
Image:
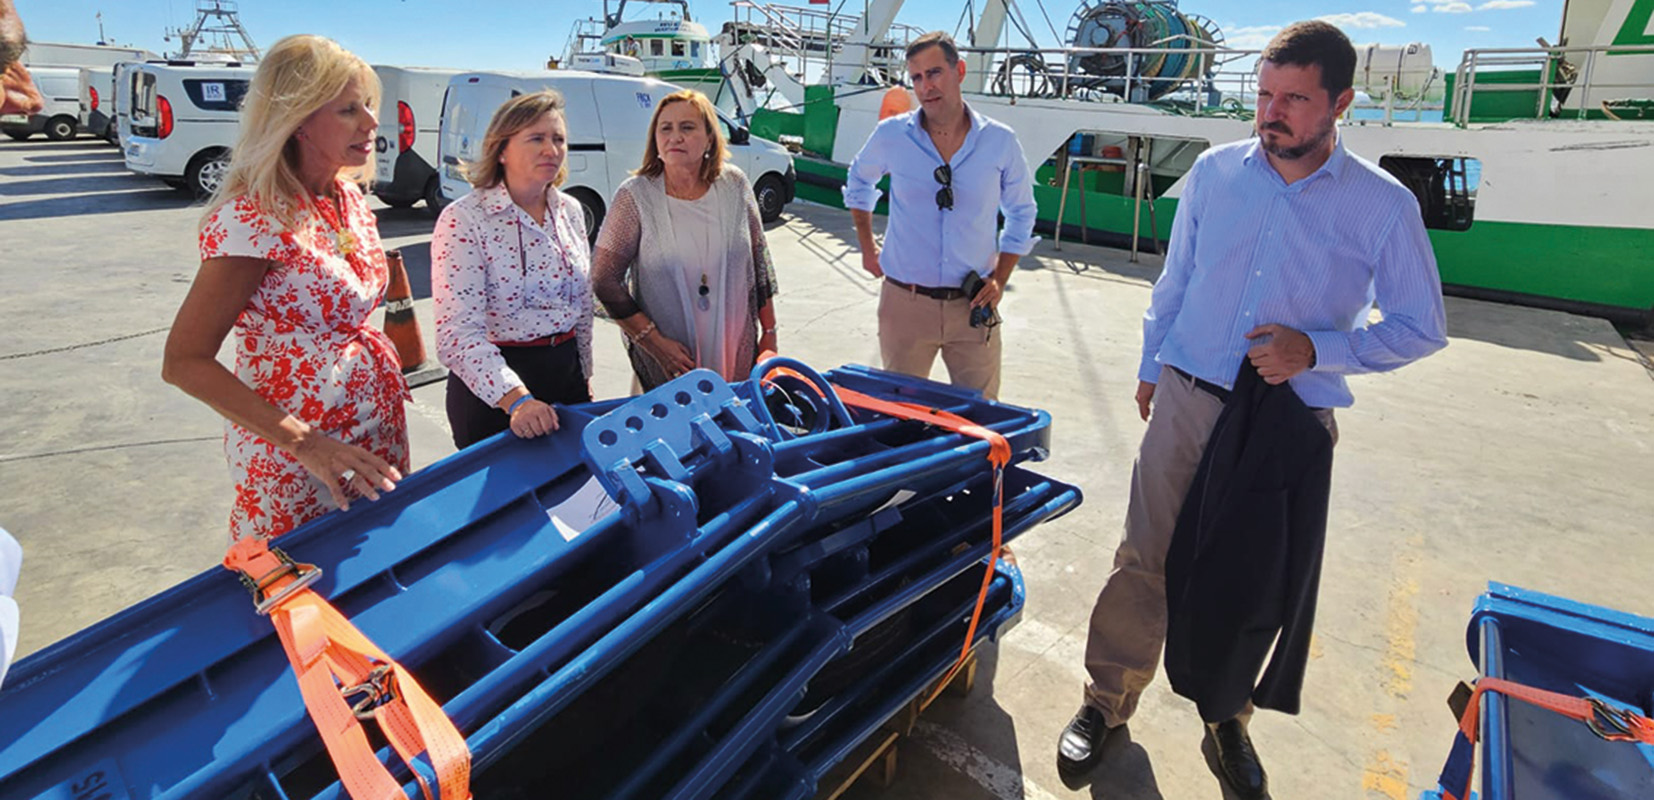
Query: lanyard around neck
x=555, y=235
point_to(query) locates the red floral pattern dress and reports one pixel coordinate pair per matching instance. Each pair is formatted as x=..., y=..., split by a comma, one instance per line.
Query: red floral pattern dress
x=304, y=344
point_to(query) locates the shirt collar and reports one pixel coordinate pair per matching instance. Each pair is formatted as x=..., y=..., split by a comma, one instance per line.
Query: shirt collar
x=496, y=199
x=1333, y=168
x=977, y=120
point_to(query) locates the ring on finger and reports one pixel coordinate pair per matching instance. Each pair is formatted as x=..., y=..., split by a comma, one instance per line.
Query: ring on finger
x=348, y=475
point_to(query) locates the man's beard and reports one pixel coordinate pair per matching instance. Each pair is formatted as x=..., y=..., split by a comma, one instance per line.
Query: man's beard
x=1313, y=144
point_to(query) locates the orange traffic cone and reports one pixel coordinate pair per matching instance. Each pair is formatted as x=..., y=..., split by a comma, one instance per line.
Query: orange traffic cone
x=400, y=324
x=402, y=327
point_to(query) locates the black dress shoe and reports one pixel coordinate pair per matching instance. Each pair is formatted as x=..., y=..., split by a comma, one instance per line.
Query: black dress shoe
x=1081, y=743
x=1238, y=761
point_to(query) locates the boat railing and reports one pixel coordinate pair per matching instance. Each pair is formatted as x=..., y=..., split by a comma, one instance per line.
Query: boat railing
x=1562, y=70
x=586, y=36
x=1053, y=73
x=809, y=39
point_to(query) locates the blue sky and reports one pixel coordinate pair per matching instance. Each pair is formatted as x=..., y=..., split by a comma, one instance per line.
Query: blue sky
x=520, y=34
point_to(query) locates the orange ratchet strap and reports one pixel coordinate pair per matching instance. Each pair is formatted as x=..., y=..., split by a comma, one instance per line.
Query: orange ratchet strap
x=333, y=661
x=1608, y=722
x=999, y=456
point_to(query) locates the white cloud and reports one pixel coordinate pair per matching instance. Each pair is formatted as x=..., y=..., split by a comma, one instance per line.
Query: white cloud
x=1453, y=8
x=1498, y=4
x=1365, y=19
x=1252, y=37
x=1420, y=9
x=1478, y=28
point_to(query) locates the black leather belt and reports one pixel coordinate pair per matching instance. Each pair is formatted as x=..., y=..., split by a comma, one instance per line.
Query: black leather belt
x=932, y=292
x=1206, y=386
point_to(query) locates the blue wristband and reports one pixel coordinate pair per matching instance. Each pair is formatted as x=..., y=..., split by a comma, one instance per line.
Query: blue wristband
x=521, y=400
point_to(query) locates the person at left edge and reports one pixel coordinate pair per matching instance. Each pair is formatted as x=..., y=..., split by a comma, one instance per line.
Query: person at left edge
x=18, y=94
x=291, y=262
x=511, y=280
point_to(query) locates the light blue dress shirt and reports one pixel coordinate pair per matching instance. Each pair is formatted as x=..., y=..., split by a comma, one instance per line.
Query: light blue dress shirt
x=1247, y=249
x=929, y=246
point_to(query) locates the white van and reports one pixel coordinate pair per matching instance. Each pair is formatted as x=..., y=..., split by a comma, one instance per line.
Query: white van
x=63, y=115
x=97, y=96
x=410, y=118
x=608, y=120
x=183, y=120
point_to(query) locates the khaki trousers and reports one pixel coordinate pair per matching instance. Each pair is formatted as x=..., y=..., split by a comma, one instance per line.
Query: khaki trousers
x=1128, y=623
x=913, y=328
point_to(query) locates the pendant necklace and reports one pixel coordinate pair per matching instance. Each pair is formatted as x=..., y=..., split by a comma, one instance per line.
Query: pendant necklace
x=344, y=240
x=705, y=293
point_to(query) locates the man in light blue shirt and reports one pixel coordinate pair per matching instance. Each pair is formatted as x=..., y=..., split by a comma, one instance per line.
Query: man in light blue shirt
x=952, y=171
x=1279, y=250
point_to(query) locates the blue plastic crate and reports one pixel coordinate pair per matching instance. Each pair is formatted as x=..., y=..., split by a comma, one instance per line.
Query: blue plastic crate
x=1551, y=643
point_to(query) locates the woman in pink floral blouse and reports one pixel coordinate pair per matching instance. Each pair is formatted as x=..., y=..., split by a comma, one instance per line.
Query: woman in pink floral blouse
x=291, y=262
x=510, y=276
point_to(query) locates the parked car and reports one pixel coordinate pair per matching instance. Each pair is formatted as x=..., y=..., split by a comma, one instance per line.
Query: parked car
x=183, y=119
x=410, y=119
x=62, y=117
x=608, y=122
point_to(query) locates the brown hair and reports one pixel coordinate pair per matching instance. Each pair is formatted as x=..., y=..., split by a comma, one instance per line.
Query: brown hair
x=713, y=164
x=1319, y=43
x=509, y=119
x=941, y=39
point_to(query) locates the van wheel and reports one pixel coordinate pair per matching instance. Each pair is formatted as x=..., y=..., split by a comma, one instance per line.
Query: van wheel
x=594, y=211
x=772, y=195
x=207, y=171
x=21, y=136
x=434, y=201
x=60, y=129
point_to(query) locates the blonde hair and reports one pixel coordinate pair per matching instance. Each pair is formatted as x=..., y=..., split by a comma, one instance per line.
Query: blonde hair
x=713, y=164
x=296, y=77
x=509, y=119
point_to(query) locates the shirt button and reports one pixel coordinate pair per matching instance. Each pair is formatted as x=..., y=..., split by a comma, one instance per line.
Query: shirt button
x=1248, y=313
x=1259, y=272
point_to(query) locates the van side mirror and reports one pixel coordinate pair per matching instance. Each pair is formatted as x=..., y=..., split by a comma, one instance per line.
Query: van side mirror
x=739, y=136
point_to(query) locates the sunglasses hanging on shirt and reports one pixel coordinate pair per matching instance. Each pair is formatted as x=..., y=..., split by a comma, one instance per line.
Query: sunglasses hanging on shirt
x=944, y=195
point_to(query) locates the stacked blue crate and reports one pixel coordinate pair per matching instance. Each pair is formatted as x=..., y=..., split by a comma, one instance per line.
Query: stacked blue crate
x=1574, y=649
x=836, y=525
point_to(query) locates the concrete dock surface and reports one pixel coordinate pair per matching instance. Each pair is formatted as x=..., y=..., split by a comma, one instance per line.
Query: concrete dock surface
x=1522, y=453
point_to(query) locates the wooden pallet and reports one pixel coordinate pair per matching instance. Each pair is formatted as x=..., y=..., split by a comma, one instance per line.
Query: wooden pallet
x=874, y=760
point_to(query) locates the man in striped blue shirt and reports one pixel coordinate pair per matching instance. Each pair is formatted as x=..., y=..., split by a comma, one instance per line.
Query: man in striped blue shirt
x=1280, y=248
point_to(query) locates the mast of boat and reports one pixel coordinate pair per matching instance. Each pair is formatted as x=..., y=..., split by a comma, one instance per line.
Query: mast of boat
x=218, y=21
x=978, y=65
x=619, y=15
x=857, y=56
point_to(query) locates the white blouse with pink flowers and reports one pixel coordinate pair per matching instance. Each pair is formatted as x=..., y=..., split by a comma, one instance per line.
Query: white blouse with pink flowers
x=499, y=276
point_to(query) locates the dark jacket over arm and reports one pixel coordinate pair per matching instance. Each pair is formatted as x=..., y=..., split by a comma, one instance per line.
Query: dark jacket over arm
x=1245, y=560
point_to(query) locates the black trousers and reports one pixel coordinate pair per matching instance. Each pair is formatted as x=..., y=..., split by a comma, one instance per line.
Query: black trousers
x=551, y=373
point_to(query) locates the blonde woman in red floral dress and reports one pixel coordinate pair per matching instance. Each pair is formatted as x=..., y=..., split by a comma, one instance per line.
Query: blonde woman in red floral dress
x=291, y=262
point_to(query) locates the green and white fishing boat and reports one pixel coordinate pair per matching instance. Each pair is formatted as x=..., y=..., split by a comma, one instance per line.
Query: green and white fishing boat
x=1534, y=167
x=659, y=34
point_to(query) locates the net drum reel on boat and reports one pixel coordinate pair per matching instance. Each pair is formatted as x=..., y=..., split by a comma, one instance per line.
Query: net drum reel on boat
x=1158, y=26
